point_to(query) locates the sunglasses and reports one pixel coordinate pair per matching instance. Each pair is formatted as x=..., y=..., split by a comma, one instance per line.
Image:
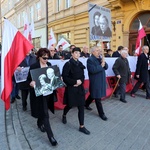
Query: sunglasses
x=45, y=58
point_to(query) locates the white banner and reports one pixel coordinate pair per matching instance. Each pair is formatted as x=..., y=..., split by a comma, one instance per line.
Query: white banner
x=110, y=61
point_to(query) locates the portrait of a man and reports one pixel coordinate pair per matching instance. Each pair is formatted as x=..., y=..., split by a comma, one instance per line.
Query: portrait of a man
x=104, y=26
x=54, y=81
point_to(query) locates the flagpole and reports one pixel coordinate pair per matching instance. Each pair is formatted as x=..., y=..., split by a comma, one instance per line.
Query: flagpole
x=146, y=36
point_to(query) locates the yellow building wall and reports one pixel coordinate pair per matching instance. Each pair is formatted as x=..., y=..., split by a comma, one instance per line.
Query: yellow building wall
x=76, y=20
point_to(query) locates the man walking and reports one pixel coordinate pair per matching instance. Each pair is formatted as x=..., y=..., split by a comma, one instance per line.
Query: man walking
x=141, y=73
x=96, y=70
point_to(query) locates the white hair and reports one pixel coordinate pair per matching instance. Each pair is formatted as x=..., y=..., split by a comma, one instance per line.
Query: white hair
x=123, y=51
x=145, y=47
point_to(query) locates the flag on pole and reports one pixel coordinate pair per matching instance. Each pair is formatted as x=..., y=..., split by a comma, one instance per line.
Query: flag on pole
x=31, y=31
x=64, y=43
x=14, y=49
x=52, y=39
x=141, y=34
x=26, y=27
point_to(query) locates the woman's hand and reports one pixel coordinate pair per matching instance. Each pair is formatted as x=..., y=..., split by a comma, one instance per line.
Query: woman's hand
x=33, y=84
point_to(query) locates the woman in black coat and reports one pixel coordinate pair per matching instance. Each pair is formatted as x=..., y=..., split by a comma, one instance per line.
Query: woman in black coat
x=73, y=76
x=40, y=104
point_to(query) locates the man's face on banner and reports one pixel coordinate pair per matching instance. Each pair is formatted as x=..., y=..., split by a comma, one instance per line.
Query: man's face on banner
x=103, y=24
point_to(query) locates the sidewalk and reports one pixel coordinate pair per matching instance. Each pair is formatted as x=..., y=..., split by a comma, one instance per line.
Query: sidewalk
x=127, y=128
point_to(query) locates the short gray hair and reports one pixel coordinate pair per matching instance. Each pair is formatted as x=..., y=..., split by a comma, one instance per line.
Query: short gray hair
x=145, y=47
x=93, y=48
x=123, y=51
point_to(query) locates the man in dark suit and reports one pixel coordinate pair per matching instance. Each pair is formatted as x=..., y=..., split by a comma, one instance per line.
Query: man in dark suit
x=96, y=69
x=117, y=53
x=24, y=86
x=141, y=73
x=84, y=52
x=122, y=72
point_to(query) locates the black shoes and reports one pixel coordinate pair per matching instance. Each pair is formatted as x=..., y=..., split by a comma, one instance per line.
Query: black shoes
x=123, y=100
x=18, y=97
x=64, y=120
x=84, y=130
x=103, y=117
x=13, y=100
x=53, y=141
x=42, y=128
x=88, y=107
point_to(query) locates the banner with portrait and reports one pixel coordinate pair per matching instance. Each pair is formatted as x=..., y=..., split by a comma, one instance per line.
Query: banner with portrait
x=47, y=80
x=100, y=23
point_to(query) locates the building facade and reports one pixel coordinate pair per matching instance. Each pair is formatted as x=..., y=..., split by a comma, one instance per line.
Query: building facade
x=16, y=11
x=70, y=19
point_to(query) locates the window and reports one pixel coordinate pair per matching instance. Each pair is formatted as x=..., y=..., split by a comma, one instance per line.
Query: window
x=31, y=14
x=58, y=5
x=24, y=17
x=67, y=5
x=38, y=9
x=36, y=42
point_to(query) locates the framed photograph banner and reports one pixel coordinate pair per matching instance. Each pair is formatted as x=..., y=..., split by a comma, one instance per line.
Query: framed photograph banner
x=47, y=80
x=99, y=23
x=21, y=76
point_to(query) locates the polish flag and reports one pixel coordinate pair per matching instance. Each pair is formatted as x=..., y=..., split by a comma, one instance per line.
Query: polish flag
x=52, y=39
x=31, y=31
x=141, y=34
x=26, y=29
x=14, y=49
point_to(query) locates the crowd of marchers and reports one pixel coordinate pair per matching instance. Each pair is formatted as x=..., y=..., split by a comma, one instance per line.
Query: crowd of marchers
x=73, y=77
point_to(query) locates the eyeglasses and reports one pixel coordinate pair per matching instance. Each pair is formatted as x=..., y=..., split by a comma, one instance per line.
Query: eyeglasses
x=52, y=50
x=45, y=58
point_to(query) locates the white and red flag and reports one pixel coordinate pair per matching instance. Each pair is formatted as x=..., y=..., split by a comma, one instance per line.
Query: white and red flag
x=52, y=39
x=14, y=49
x=64, y=43
x=26, y=27
x=141, y=34
x=31, y=31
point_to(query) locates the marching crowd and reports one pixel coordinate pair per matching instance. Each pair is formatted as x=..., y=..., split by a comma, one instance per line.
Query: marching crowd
x=73, y=77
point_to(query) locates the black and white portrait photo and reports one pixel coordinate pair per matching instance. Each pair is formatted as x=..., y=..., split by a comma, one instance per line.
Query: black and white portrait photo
x=46, y=80
x=99, y=22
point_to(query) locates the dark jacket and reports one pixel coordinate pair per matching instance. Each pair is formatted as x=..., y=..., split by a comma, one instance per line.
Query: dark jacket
x=37, y=109
x=116, y=54
x=54, y=57
x=121, y=67
x=73, y=71
x=107, y=33
x=97, y=77
x=84, y=54
x=25, y=85
x=142, y=68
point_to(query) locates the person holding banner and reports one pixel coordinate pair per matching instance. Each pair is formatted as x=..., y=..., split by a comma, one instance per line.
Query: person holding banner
x=74, y=96
x=96, y=69
x=41, y=104
x=122, y=71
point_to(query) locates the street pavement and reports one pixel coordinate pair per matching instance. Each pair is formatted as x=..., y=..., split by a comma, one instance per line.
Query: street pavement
x=127, y=128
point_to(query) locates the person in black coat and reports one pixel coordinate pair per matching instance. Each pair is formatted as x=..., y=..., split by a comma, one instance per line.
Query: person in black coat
x=40, y=104
x=24, y=86
x=141, y=73
x=53, y=54
x=96, y=69
x=122, y=72
x=84, y=52
x=73, y=76
x=117, y=53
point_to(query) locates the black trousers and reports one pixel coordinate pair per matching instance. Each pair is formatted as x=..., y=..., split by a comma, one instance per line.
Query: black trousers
x=80, y=113
x=45, y=119
x=24, y=96
x=137, y=85
x=121, y=89
x=98, y=104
